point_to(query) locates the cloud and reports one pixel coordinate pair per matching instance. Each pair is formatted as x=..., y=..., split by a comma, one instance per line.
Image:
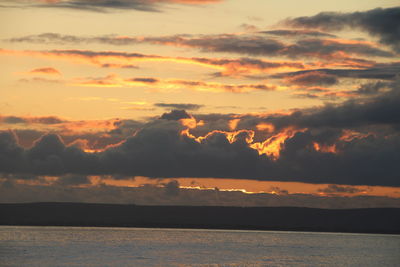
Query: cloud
x=313, y=78
x=161, y=149
x=119, y=66
x=233, y=67
x=179, y=106
x=259, y=45
x=338, y=189
x=372, y=88
x=89, y=136
x=175, y=115
x=256, y=44
x=113, y=80
x=383, y=23
x=246, y=66
x=298, y=33
x=104, y=5
x=41, y=80
x=248, y=27
x=145, y=80
x=11, y=154
x=324, y=94
x=172, y=188
x=73, y=180
x=148, y=194
x=381, y=71
x=352, y=143
x=379, y=110
x=47, y=70
x=31, y=120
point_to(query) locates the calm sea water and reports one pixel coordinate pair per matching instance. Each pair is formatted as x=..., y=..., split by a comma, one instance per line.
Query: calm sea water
x=70, y=246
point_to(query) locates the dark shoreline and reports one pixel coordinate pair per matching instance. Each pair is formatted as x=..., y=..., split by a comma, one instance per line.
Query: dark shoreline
x=370, y=220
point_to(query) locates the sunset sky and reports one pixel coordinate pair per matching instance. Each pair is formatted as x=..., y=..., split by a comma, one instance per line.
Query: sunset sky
x=174, y=101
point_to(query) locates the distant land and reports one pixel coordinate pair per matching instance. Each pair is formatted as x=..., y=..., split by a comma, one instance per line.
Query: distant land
x=369, y=220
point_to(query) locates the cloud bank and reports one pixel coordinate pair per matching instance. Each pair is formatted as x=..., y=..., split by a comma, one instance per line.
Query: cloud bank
x=354, y=143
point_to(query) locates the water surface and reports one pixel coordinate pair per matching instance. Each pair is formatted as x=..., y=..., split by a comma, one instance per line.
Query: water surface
x=91, y=246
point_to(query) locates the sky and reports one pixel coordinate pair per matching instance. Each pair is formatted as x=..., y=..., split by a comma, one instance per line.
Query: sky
x=191, y=102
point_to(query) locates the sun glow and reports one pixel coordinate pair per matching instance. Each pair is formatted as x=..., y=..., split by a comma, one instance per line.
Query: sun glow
x=272, y=146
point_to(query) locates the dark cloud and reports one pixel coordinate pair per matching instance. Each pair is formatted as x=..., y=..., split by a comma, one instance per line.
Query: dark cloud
x=11, y=154
x=230, y=67
x=144, y=80
x=383, y=23
x=372, y=113
x=175, y=115
x=380, y=110
x=13, y=120
x=121, y=66
x=124, y=128
x=260, y=45
x=338, y=189
x=92, y=140
x=31, y=120
x=255, y=44
x=179, y=106
x=160, y=151
x=353, y=143
x=332, y=48
x=372, y=88
x=172, y=188
x=313, y=78
x=236, y=66
x=73, y=180
x=50, y=156
x=48, y=120
x=381, y=71
x=26, y=137
x=298, y=33
x=349, y=165
x=103, y=5
x=48, y=38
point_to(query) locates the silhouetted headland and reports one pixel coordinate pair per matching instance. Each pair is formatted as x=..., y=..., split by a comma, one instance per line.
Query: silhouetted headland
x=374, y=220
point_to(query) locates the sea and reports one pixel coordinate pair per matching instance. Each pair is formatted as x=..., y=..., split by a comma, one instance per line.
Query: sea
x=97, y=246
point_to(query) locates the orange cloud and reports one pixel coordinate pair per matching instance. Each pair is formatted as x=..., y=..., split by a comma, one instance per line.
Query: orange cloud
x=47, y=70
x=268, y=127
x=112, y=59
x=233, y=124
x=113, y=80
x=272, y=146
x=47, y=120
x=325, y=148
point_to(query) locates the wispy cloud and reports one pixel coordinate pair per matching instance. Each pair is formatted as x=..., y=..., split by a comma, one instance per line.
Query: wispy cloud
x=256, y=44
x=226, y=67
x=185, y=106
x=46, y=70
x=171, y=84
x=103, y=5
